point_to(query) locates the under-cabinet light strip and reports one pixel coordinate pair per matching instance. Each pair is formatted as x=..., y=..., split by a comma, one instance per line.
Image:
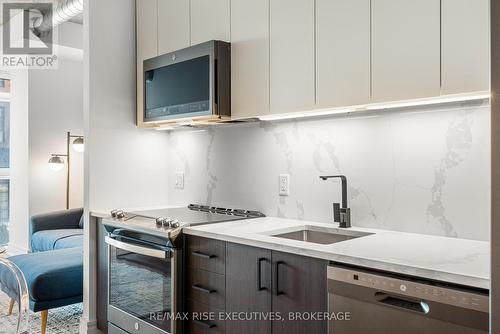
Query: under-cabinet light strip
x=430, y=101
x=380, y=106
x=357, y=108
x=309, y=113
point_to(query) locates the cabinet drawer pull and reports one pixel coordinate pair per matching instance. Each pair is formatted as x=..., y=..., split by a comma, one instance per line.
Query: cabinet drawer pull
x=203, y=255
x=259, y=274
x=203, y=324
x=202, y=289
x=278, y=276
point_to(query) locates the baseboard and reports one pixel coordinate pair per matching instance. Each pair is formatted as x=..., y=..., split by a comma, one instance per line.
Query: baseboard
x=89, y=327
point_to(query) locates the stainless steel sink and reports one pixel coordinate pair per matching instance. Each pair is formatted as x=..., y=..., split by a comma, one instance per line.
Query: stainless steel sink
x=320, y=235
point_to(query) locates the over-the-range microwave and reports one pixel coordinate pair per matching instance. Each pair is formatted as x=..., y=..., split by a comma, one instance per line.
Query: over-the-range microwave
x=189, y=84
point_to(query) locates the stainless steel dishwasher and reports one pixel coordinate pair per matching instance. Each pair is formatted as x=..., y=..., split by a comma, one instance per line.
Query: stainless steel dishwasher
x=362, y=301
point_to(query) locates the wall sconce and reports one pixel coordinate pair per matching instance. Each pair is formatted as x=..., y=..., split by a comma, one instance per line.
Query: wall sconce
x=56, y=161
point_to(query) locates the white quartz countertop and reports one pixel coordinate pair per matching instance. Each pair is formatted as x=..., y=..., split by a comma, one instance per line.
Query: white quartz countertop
x=453, y=260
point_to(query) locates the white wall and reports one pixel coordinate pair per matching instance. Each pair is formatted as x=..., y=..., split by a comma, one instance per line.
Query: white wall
x=55, y=107
x=19, y=162
x=124, y=166
x=45, y=105
x=424, y=170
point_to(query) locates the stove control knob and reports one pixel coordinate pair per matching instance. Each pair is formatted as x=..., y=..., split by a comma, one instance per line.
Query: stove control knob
x=175, y=224
x=113, y=213
x=120, y=214
x=159, y=221
x=167, y=222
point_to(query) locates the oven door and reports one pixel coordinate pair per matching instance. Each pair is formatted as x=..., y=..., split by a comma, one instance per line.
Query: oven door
x=144, y=282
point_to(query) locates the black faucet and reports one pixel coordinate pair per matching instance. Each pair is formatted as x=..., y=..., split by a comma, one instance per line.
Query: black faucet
x=341, y=215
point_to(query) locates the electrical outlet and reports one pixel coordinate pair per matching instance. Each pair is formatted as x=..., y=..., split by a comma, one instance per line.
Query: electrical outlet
x=179, y=180
x=284, y=185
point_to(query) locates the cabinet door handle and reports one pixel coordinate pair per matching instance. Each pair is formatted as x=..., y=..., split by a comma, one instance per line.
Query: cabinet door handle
x=278, y=276
x=216, y=86
x=259, y=274
x=202, y=289
x=204, y=324
x=203, y=255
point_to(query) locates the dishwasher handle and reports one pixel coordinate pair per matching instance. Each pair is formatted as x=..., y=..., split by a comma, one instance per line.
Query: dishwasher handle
x=402, y=303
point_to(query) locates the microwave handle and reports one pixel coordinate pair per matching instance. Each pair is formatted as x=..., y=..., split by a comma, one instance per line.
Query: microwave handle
x=160, y=254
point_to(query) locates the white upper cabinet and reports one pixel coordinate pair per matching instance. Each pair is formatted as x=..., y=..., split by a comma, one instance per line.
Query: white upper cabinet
x=291, y=55
x=342, y=52
x=147, y=28
x=405, y=49
x=210, y=19
x=249, y=58
x=300, y=55
x=173, y=25
x=465, y=46
x=146, y=42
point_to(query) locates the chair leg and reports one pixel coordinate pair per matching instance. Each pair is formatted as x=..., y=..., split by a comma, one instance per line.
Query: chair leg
x=43, y=326
x=11, y=305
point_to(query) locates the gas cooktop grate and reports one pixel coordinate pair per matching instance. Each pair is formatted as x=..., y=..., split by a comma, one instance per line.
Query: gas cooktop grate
x=226, y=211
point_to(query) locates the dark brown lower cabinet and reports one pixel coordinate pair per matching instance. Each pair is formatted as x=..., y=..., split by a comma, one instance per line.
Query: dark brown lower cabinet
x=299, y=294
x=205, y=285
x=248, y=288
x=263, y=283
x=202, y=324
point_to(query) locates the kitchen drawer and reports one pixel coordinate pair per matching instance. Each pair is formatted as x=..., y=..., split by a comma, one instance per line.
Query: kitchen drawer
x=206, y=254
x=203, y=319
x=206, y=287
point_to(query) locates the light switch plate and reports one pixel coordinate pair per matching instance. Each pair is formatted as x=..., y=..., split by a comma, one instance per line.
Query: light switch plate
x=284, y=185
x=179, y=180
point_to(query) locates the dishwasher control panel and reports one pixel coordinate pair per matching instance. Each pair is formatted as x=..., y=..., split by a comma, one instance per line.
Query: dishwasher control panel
x=414, y=289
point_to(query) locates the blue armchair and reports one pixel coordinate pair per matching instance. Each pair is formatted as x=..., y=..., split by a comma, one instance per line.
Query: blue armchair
x=54, y=269
x=56, y=230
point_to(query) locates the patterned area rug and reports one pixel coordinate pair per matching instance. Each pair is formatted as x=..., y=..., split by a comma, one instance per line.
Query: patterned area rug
x=63, y=320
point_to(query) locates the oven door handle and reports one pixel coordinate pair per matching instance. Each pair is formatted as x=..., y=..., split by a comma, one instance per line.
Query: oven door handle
x=160, y=254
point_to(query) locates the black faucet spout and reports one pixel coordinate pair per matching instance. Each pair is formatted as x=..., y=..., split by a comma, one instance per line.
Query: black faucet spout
x=342, y=215
x=344, y=186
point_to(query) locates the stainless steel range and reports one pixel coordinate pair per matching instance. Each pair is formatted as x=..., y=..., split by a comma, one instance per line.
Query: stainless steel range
x=145, y=265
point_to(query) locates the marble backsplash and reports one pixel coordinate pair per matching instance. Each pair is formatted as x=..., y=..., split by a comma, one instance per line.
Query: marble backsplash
x=425, y=170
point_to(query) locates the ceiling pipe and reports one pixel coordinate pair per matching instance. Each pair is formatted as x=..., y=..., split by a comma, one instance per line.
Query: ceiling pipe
x=65, y=10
